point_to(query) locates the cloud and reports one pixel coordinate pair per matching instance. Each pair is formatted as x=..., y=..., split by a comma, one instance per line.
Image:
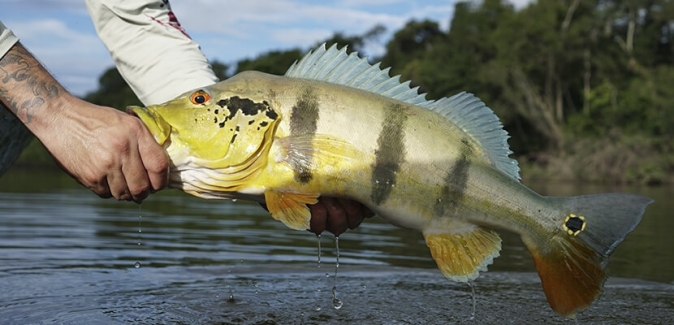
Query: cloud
x=287, y=24
x=75, y=57
x=60, y=33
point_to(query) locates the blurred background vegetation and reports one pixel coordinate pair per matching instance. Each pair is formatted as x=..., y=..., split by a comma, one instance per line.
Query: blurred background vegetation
x=585, y=88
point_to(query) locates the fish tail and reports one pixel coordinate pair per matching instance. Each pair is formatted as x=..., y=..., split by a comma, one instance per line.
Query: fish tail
x=571, y=259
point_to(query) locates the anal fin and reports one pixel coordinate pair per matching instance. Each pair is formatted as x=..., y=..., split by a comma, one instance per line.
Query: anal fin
x=461, y=256
x=290, y=208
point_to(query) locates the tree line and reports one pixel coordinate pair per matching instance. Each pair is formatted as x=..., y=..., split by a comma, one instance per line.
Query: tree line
x=585, y=88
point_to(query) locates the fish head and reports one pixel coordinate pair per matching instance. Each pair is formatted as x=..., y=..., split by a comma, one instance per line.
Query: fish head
x=211, y=129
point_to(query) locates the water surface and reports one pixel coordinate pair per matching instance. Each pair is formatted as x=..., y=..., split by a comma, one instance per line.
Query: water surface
x=67, y=256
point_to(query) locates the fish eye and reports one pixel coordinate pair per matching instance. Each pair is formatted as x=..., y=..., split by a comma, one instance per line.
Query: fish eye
x=200, y=97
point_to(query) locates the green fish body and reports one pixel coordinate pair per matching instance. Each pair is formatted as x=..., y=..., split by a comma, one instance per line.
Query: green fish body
x=335, y=125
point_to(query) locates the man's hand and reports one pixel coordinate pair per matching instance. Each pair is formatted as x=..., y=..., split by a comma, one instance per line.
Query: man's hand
x=108, y=151
x=337, y=215
x=105, y=150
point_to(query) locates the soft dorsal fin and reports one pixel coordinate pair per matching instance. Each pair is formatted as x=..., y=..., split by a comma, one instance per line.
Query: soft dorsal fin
x=464, y=110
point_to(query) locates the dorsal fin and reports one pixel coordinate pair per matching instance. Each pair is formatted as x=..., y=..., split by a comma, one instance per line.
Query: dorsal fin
x=464, y=110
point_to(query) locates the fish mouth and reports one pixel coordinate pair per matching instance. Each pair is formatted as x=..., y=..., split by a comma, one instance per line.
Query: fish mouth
x=157, y=126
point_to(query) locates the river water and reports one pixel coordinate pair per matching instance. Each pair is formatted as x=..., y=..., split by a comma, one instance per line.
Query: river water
x=69, y=257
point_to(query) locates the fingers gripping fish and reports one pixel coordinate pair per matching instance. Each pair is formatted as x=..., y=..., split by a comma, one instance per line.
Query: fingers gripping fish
x=335, y=125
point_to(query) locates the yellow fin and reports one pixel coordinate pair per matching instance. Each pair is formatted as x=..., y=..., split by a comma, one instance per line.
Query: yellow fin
x=290, y=208
x=461, y=257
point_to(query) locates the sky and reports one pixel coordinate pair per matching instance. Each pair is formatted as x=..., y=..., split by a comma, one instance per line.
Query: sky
x=61, y=35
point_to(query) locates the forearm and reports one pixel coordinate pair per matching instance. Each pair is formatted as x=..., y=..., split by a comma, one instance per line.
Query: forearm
x=150, y=49
x=30, y=91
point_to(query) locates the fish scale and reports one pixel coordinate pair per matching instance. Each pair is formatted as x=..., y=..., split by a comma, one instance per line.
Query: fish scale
x=335, y=125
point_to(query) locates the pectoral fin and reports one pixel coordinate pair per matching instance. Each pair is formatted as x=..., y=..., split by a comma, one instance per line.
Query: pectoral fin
x=461, y=256
x=290, y=208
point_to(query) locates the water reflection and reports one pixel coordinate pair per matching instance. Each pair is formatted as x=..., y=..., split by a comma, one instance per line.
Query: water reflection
x=69, y=257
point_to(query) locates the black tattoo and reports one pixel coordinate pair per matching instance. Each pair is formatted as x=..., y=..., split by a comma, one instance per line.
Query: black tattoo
x=19, y=66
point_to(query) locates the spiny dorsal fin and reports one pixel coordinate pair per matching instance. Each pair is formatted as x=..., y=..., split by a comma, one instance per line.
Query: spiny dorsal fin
x=464, y=110
x=473, y=116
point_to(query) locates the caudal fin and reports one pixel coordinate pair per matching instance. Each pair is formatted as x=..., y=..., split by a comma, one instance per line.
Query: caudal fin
x=572, y=258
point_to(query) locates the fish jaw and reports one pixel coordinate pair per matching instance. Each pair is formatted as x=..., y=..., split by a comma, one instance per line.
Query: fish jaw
x=157, y=126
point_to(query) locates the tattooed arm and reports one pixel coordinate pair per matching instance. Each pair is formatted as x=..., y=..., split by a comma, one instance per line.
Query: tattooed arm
x=104, y=149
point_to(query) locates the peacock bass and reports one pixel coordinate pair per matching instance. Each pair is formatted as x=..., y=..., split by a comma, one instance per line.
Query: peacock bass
x=337, y=126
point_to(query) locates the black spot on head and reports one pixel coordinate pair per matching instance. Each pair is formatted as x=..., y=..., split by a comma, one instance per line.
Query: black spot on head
x=222, y=103
x=246, y=106
x=216, y=111
x=215, y=119
x=264, y=124
x=221, y=124
x=575, y=224
x=271, y=114
x=233, y=138
x=251, y=122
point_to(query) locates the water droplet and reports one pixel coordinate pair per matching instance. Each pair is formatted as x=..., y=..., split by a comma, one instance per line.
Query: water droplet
x=472, y=297
x=318, y=240
x=364, y=287
x=337, y=258
x=335, y=301
x=217, y=296
x=231, y=295
x=317, y=308
x=327, y=275
x=137, y=265
x=140, y=230
x=234, y=200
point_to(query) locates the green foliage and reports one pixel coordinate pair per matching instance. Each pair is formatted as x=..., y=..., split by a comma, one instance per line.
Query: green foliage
x=273, y=62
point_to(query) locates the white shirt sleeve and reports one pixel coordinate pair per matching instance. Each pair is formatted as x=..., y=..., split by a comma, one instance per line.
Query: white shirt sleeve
x=7, y=39
x=152, y=52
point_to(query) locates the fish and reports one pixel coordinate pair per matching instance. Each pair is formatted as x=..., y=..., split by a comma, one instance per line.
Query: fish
x=336, y=125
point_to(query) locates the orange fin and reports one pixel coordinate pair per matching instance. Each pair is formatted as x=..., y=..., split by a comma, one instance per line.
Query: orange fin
x=461, y=257
x=570, y=272
x=571, y=258
x=290, y=208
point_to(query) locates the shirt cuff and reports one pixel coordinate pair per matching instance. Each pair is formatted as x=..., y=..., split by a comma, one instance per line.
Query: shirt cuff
x=7, y=40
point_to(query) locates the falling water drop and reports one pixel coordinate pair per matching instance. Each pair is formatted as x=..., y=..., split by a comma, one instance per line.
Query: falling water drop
x=231, y=294
x=234, y=200
x=335, y=301
x=318, y=240
x=472, y=297
x=337, y=252
x=140, y=219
